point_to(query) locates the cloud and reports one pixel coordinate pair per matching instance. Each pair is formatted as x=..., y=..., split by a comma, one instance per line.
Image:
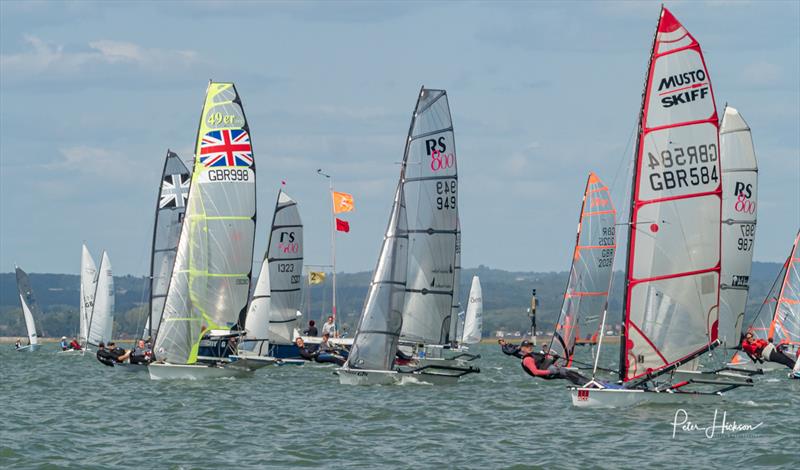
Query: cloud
x=54, y=60
x=111, y=165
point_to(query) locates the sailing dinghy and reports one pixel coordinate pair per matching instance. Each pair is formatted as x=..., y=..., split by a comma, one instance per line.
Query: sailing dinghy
x=586, y=296
x=30, y=310
x=430, y=187
x=209, y=288
x=372, y=359
x=778, y=319
x=272, y=316
x=87, y=290
x=672, y=273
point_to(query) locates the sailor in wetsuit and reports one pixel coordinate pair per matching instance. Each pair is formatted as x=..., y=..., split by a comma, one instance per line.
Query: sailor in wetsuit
x=141, y=354
x=308, y=354
x=105, y=356
x=541, y=357
x=540, y=365
x=760, y=351
x=328, y=353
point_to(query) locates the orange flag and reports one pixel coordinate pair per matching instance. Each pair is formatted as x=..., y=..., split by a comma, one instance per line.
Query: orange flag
x=342, y=202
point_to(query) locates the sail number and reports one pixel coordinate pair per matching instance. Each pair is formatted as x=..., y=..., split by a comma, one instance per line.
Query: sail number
x=666, y=176
x=285, y=267
x=446, y=194
x=215, y=119
x=228, y=175
x=745, y=241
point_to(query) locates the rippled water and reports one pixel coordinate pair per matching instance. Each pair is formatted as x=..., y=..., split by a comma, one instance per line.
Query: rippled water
x=73, y=412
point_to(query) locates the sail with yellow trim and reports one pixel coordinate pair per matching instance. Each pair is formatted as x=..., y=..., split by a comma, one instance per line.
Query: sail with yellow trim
x=213, y=266
x=586, y=296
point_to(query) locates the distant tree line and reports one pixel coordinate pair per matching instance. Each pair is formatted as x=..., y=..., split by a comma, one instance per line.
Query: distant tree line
x=506, y=297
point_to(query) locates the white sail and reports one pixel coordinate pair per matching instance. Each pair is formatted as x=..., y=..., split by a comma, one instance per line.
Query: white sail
x=430, y=185
x=673, y=269
x=88, y=285
x=210, y=282
x=378, y=331
x=739, y=199
x=285, y=258
x=173, y=193
x=256, y=325
x=30, y=309
x=473, y=321
x=101, y=322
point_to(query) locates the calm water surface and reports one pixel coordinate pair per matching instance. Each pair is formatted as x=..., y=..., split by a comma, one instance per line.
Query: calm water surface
x=73, y=412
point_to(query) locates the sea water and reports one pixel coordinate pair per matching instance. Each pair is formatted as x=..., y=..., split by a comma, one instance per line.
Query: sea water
x=71, y=411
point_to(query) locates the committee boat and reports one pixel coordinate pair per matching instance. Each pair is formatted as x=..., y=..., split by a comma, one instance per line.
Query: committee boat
x=206, y=302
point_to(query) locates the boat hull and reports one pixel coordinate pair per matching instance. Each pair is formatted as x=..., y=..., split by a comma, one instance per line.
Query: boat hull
x=251, y=362
x=194, y=372
x=28, y=348
x=130, y=368
x=621, y=398
x=391, y=377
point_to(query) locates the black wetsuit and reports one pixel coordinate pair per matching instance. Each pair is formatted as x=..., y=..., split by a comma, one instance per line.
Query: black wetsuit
x=555, y=372
x=307, y=354
x=542, y=360
x=311, y=331
x=141, y=356
x=106, y=357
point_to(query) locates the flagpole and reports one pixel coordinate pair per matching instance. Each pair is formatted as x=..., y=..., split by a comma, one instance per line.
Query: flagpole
x=333, y=242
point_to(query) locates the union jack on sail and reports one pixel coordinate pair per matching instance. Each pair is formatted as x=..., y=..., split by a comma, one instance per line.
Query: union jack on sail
x=226, y=147
x=174, y=191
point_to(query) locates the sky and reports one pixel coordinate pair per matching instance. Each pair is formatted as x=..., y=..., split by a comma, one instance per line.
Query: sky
x=93, y=94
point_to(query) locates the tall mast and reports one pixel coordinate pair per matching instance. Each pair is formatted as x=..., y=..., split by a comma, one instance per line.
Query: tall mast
x=631, y=228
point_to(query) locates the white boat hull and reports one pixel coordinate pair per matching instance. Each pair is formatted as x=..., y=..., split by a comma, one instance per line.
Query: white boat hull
x=194, y=372
x=621, y=398
x=28, y=348
x=390, y=377
x=72, y=352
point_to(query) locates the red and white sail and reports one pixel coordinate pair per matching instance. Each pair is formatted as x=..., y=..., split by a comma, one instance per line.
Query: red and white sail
x=673, y=272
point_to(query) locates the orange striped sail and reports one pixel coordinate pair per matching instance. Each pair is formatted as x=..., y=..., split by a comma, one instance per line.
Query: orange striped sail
x=586, y=296
x=778, y=319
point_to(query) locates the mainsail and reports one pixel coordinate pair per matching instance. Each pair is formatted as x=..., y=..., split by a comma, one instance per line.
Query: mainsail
x=586, y=296
x=88, y=286
x=778, y=319
x=739, y=196
x=173, y=193
x=473, y=321
x=101, y=322
x=30, y=309
x=673, y=267
x=430, y=184
x=375, y=343
x=285, y=257
x=210, y=282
